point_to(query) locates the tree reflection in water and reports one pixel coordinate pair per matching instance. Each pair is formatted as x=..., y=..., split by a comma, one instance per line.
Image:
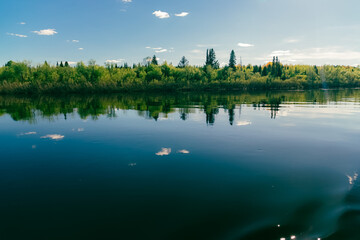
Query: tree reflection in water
x=27, y=108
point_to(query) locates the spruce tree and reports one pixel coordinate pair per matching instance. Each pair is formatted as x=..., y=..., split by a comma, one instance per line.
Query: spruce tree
x=66, y=64
x=273, y=67
x=154, y=60
x=211, y=59
x=61, y=64
x=183, y=62
x=264, y=71
x=232, y=61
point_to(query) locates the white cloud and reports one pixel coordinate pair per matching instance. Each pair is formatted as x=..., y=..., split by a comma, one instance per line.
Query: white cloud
x=127, y=1
x=30, y=133
x=352, y=179
x=23, y=23
x=318, y=111
x=71, y=63
x=183, y=14
x=280, y=53
x=161, y=15
x=81, y=49
x=114, y=60
x=17, y=35
x=291, y=40
x=330, y=53
x=245, y=45
x=158, y=49
x=243, y=123
x=75, y=41
x=184, y=151
x=54, y=136
x=196, y=51
x=46, y=32
x=161, y=50
x=164, y=152
x=27, y=133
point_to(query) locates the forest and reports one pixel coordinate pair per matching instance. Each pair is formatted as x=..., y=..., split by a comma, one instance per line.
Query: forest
x=22, y=77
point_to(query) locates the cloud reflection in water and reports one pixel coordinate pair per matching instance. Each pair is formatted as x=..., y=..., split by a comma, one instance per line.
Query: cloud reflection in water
x=164, y=152
x=54, y=136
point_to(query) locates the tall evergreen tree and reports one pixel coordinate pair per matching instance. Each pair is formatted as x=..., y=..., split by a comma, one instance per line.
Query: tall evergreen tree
x=211, y=59
x=273, y=67
x=66, y=64
x=183, y=62
x=61, y=64
x=154, y=60
x=264, y=71
x=232, y=61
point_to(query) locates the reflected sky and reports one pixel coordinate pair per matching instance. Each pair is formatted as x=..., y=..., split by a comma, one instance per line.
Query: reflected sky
x=188, y=166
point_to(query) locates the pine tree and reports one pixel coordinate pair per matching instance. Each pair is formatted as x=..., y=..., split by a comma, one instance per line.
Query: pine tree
x=154, y=60
x=273, y=67
x=232, y=61
x=211, y=59
x=264, y=71
x=66, y=64
x=61, y=64
x=183, y=62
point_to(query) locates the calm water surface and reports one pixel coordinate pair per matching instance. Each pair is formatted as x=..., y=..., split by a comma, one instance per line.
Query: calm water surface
x=275, y=165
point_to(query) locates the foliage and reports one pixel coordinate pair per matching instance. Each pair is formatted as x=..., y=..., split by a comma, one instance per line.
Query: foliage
x=21, y=77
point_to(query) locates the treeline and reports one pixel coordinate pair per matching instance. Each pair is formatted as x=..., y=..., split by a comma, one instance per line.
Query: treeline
x=21, y=77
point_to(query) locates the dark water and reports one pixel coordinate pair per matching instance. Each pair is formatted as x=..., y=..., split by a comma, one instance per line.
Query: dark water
x=187, y=166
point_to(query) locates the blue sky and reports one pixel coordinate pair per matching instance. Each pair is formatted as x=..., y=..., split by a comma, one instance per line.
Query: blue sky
x=299, y=32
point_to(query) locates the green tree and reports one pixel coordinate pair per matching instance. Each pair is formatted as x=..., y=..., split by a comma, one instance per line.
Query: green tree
x=232, y=61
x=264, y=71
x=9, y=63
x=211, y=59
x=183, y=62
x=154, y=60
